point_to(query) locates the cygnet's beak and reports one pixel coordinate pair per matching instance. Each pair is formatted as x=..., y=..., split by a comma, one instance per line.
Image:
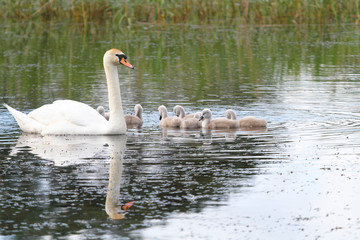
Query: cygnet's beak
x=201, y=118
x=125, y=62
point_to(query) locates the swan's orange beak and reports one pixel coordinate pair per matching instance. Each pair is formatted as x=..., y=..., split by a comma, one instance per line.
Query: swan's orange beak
x=124, y=62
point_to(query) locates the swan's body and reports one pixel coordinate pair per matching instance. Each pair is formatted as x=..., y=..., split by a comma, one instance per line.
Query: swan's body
x=72, y=117
x=103, y=113
x=252, y=122
x=247, y=122
x=230, y=114
x=166, y=121
x=180, y=112
x=191, y=123
x=218, y=123
x=135, y=120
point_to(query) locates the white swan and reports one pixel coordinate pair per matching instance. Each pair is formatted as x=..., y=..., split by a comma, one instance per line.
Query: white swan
x=180, y=112
x=218, y=123
x=166, y=121
x=72, y=117
x=136, y=120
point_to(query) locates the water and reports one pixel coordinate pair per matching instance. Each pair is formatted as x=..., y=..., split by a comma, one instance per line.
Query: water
x=296, y=179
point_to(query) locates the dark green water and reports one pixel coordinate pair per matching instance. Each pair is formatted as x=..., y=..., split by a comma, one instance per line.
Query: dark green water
x=298, y=179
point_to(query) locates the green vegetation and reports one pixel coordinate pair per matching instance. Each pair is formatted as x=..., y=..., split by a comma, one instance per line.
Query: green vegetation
x=185, y=62
x=185, y=11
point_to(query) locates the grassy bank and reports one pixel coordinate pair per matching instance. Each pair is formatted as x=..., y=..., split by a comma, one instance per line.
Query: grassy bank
x=184, y=11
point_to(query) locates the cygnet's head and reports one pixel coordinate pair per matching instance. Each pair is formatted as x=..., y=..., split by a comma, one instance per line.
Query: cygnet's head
x=197, y=115
x=178, y=109
x=230, y=114
x=162, y=112
x=206, y=113
x=101, y=110
x=138, y=108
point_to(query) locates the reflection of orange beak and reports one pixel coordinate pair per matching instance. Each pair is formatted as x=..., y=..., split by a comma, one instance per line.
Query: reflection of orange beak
x=126, y=63
x=127, y=206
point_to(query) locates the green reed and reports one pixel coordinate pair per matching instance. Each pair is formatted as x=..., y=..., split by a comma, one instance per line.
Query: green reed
x=185, y=11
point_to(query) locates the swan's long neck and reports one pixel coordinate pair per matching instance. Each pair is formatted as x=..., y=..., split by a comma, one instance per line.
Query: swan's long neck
x=182, y=112
x=117, y=120
x=206, y=122
x=164, y=113
x=117, y=148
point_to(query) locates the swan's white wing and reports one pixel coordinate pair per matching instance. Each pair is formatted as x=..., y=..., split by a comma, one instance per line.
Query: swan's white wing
x=26, y=123
x=73, y=112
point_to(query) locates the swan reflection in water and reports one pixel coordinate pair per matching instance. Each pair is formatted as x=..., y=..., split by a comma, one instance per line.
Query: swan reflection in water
x=76, y=150
x=207, y=135
x=112, y=207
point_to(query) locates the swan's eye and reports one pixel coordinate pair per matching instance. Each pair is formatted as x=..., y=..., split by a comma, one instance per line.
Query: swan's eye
x=122, y=60
x=121, y=56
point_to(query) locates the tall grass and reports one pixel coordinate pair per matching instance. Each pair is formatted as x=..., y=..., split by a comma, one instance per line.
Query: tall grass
x=184, y=11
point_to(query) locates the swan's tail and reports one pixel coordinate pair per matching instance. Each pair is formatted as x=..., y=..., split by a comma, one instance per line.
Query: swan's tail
x=26, y=123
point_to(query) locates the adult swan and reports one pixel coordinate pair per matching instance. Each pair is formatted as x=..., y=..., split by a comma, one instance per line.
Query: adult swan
x=72, y=117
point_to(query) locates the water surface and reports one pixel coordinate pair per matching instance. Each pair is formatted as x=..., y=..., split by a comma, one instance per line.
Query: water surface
x=296, y=179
